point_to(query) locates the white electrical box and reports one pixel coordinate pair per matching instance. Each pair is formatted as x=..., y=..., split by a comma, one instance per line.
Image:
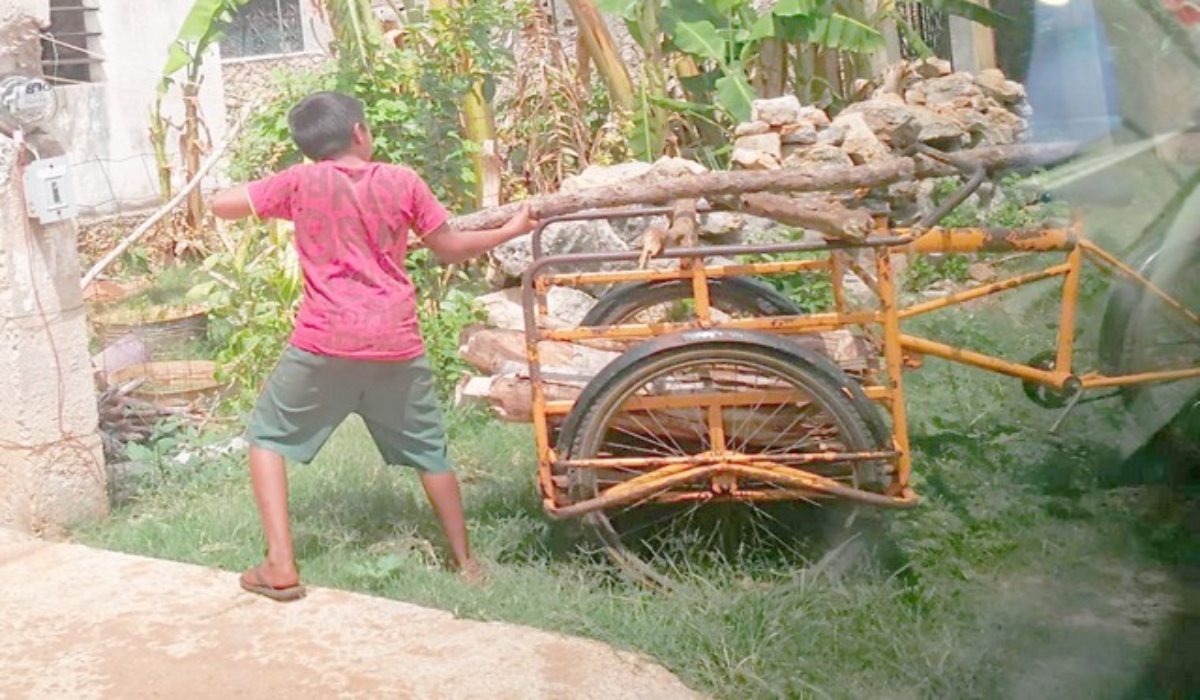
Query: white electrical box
x=49, y=194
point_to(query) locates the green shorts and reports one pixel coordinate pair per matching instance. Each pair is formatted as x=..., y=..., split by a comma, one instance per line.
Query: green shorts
x=308, y=396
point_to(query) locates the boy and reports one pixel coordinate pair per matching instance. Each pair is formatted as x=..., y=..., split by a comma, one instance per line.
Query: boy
x=356, y=346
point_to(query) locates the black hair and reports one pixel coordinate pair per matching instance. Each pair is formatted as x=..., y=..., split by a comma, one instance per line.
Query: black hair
x=322, y=124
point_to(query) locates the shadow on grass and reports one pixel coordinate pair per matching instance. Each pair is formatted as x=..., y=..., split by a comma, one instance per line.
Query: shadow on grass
x=1151, y=500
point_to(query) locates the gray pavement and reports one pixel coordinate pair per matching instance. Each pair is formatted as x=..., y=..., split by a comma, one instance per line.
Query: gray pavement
x=82, y=623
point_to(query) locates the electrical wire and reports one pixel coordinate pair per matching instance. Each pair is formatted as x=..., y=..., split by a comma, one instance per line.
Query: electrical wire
x=68, y=438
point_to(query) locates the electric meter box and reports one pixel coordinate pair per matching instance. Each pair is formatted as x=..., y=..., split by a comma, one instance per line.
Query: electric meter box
x=49, y=194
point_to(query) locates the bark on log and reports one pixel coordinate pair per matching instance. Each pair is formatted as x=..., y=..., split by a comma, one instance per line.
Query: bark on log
x=512, y=400
x=568, y=367
x=999, y=158
x=502, y=351
x=654, y=189
x=830, y=218
x=651, y=190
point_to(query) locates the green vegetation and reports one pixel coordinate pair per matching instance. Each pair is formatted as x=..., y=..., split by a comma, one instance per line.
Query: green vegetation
x=1036, y=566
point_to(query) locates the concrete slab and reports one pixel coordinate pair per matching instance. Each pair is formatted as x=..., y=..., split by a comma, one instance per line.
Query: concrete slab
x=84, y=624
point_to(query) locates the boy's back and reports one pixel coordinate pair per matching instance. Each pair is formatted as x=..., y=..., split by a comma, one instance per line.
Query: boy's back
x=352, y=224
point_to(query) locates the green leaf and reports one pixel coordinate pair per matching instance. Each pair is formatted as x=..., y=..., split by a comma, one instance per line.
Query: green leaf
x=794, y=28
x=914, y=39
x=796, y=8
x=625, y=9
x=676, y=11
x=841, y=32
x=698, y=39
x=700, y=86
x=177, y=57
x=762, y=28
x=201, y=18
x=646, y=140
x=970, y=10
x=734, y=95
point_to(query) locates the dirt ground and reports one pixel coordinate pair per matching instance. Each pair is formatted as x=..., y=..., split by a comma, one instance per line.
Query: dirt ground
x=83, y=623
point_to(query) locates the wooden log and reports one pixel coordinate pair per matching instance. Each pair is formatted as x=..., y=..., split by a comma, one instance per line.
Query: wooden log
x=652, y=190
x=567, y=368
x=774, y=427
x=502, y=351
x=830, y=218
x=1000, y=158
x=511, y=397
x=657, y=189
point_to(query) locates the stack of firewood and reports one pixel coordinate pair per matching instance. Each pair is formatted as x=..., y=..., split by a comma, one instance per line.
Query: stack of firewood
x=504, y=384
x=125, y=418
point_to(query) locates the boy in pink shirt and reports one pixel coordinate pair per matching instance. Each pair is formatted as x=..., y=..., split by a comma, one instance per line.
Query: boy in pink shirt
x=356, y=346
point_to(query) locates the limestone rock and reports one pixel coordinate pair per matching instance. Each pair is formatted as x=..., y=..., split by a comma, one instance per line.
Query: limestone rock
x=834, y=135
x=888, y=118
x=751, y=129
x=776, y=111
x=566, y=307
x=818, y=157
x=813, y=115
x=931, y=68
x=798, y=133
x=861, y=144
x=589, y=236
x=936, y=126
x=955, y=88
x=675, y=167
x=600, y=175
x=996, y=86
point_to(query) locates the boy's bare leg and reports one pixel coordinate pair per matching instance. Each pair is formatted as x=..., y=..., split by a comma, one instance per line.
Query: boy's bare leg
x=446, y=499
x=268, y=476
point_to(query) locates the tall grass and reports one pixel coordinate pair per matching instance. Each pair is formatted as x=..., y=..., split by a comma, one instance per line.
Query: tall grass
x=1035, y=567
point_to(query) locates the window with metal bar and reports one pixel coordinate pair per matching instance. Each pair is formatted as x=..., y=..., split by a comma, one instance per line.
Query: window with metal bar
x=69, y=44
x=263, y=27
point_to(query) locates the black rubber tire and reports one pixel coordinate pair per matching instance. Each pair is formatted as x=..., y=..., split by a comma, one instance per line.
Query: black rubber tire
x=855, y=417
x=1122, y=303
x=732, y=295
x=1130, y=328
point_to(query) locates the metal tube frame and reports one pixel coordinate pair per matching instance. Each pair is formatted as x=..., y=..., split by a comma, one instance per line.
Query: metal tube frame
x=897, y=352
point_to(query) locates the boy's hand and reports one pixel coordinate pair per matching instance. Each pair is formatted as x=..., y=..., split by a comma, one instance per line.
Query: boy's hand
x=521, y=222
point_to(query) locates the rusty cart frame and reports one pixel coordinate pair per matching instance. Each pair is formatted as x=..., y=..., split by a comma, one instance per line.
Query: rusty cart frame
x=721, y=473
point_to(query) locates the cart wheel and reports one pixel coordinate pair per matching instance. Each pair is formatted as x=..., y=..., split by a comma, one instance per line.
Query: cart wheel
x=672, y=300
x=824, y=411
x=1142, y=334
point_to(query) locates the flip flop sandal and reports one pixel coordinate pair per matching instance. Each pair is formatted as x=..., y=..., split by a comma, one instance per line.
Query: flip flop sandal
x=261, y=587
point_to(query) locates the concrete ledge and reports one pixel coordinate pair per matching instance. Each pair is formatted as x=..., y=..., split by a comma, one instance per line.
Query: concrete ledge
x=86, y=623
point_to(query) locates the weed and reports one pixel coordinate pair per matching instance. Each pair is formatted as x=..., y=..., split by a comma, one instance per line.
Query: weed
x=1032, y=568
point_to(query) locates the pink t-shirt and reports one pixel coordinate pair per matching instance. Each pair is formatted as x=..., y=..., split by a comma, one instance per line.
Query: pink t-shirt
x=352, y=224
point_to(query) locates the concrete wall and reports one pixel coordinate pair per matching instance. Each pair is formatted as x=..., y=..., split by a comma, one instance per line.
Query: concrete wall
x=104, y=126
x=51, y=462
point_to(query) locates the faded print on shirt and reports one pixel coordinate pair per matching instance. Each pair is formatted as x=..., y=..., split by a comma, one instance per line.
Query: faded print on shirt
x=352, y=225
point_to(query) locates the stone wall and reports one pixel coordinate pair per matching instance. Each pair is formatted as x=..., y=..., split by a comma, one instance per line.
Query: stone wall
x=247, y=78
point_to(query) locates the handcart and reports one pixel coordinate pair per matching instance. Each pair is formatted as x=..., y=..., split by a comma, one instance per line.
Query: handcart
x=731, y=406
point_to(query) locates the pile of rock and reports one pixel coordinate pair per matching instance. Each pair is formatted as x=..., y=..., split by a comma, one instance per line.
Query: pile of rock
x=916, y=102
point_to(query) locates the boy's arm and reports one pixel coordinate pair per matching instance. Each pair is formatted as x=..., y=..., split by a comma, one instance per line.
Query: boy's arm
x=233, y=203
x=452, y=246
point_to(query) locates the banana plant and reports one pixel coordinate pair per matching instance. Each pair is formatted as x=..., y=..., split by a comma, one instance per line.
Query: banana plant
x=202, y=29
x=356, y=32
x=727, y=46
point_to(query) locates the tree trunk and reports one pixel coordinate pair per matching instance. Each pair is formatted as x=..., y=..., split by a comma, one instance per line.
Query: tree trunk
x=191, y=155
x=601, y=48
x=657, y=189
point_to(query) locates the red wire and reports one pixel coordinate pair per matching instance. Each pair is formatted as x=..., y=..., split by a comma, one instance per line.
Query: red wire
x=67, y=437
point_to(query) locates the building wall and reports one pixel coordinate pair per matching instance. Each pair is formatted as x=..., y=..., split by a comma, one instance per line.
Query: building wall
x=104, y=126
x=51, y=463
